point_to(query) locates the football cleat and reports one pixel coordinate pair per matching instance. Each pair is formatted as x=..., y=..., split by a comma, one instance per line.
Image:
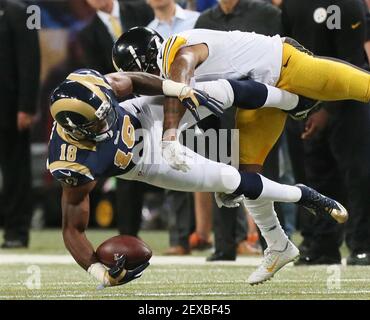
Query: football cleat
x=273, y=261
x=317, y=203
x=304, y=108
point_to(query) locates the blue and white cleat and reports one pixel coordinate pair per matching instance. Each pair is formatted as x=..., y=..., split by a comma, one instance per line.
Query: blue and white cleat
x=317, y=203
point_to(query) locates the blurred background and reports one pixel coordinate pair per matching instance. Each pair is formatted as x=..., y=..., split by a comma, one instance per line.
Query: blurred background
x=76, y=34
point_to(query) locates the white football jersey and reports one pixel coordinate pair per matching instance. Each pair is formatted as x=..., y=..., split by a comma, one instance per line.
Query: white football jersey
x=232, y=55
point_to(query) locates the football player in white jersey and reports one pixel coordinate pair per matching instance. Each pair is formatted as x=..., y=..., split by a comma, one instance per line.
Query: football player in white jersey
x=95, y=137
x=200, y=55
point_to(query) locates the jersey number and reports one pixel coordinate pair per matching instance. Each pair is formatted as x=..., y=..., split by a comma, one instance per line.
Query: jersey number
x=68, y=153
x=123, y=159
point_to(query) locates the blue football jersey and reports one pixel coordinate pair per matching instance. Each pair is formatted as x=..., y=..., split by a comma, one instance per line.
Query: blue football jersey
x=76, y=163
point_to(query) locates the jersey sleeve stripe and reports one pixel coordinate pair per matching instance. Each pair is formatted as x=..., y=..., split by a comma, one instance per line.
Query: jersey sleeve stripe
x=165, y=55
x=177, y=45
x=72, y=166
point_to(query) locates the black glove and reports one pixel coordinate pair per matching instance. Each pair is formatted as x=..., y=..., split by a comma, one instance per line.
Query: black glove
x=118, y=275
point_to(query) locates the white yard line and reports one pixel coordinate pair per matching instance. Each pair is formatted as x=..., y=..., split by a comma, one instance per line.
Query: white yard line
x=6, y=259
x=155, y=260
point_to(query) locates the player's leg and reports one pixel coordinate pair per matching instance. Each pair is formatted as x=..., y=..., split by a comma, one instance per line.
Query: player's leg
x=248, y=94
x=322, y=78
x=259, y=131
x=204, y=175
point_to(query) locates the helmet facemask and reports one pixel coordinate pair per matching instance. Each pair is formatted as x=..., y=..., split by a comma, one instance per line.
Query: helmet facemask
x=97, y=130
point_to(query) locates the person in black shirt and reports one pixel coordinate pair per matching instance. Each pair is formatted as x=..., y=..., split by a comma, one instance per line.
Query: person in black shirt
x=19, y=86
x=337, y=138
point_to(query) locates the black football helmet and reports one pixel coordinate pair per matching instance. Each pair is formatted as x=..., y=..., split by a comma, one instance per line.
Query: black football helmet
x=84, y=106
x=136, y=50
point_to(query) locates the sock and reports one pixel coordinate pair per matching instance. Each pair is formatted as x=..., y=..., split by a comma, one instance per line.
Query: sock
x=255, y=186
x=249, y=94
x=278, y=192
x=265, y=217
x=280, y=99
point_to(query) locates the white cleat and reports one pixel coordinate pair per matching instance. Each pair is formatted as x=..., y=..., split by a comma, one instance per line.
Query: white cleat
x=272, y=262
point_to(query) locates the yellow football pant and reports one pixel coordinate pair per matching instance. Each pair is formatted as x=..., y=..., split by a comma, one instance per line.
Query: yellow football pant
x=306, y=75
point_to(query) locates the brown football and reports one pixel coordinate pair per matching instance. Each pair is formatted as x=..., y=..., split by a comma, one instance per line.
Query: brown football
x=136, y=251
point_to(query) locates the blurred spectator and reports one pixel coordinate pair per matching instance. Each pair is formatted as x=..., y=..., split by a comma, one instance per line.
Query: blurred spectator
x=70, y=14
x=202, y=5
x=19, y=87
x=230, y=225
x=111, y=20
x=55, y=76
x=276, y=3
x=170, y=18
x=337, y=156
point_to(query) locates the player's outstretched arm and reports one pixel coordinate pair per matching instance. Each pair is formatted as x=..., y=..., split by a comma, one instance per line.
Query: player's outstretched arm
x=76, y=211
x=126, y=83
x=182, y=69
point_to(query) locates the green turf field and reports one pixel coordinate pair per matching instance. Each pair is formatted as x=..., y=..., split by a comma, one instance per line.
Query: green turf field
x=174, y=281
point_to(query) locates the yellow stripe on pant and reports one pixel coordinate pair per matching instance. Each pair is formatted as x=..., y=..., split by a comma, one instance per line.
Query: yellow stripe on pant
x=306, y=75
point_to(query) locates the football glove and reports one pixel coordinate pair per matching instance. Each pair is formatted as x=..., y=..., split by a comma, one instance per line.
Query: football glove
x=228, y=200
x=117, y=275
x=192, y=98
x=175, y=155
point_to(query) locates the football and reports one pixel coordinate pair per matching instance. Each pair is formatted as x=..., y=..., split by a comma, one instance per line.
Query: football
x=136, y=251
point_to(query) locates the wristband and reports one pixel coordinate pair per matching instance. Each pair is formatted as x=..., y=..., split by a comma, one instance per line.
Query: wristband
x=99, y=272
x=174, y=89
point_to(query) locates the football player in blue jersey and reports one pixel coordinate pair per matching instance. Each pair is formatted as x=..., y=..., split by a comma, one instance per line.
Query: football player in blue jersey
x=95, y=136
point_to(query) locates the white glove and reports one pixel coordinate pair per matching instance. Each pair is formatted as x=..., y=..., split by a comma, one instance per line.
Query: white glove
x=228, y=200
x=175, y=154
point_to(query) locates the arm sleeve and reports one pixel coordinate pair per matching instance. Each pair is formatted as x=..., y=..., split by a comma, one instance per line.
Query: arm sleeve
x=28, y=58
x=70, y=174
